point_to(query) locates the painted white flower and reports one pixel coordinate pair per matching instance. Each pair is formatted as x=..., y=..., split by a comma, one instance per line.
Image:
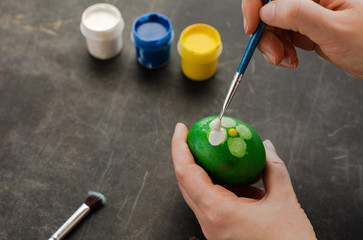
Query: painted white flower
x=217, y=137
x=237, y=134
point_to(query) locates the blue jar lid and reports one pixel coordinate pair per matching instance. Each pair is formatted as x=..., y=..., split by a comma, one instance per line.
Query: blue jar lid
x=152, y=31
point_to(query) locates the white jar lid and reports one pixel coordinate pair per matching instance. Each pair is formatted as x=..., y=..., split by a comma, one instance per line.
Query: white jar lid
x=102, y=21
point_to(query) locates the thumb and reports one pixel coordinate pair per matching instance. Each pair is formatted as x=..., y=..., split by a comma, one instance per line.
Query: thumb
x=275, y=176
x=304, y=16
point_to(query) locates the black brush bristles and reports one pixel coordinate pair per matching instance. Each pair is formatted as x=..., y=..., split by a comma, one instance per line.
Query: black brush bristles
x=95, y=200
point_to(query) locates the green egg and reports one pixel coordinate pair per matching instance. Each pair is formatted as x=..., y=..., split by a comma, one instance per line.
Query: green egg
x=237, y=158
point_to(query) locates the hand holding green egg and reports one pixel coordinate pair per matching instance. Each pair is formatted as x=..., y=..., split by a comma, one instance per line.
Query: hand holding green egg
x=232, y=154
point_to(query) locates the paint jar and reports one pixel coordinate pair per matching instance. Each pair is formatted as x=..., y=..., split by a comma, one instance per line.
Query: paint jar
x=152, y=34
x=199, y=47
x=102, y=26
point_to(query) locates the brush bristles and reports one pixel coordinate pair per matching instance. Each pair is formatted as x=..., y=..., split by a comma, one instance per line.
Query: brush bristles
x=95, y=200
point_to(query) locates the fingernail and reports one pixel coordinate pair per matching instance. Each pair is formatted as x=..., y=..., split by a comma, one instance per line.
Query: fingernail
x=180, y=126
x=287, y=62
x=267, y=12
x=245, y=24
x=268, y=144
x=269, y=57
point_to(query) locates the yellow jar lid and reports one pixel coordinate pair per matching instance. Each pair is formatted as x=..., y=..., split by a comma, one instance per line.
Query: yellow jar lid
x=200, y=43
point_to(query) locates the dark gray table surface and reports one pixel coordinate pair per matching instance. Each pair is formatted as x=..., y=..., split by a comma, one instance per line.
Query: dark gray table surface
x=70, y=123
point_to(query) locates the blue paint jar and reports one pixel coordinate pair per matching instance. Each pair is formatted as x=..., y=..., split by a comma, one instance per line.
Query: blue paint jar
x=152, y=34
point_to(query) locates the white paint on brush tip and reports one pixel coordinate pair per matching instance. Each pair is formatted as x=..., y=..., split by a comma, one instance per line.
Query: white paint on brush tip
x=218, y=135
x=97, y=194
x=215, y=124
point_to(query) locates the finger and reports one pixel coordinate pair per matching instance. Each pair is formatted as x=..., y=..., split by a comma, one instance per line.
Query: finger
x=277, y=48
x=180, y=150
x=302, y=41
x=305, y=17
x=194, y=180
x=275, y=176
x=290, y=59
x=290, y=56
x=247, y=191
x=271, y=47
x=250, y=12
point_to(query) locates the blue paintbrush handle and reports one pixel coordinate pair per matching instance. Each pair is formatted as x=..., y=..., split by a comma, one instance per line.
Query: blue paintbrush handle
x=251, y=47
x=242, y=66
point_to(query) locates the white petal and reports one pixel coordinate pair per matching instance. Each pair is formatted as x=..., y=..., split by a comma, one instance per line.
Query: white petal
x=228, y=122
x=217, y=137
x=244, y=132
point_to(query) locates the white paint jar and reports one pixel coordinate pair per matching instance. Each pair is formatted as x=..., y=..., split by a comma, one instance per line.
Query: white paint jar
x=102, y=26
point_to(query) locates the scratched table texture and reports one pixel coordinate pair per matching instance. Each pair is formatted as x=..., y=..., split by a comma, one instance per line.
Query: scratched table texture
x=70, y=123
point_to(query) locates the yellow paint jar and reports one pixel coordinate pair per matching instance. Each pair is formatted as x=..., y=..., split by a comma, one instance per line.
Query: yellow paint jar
x=199, y=47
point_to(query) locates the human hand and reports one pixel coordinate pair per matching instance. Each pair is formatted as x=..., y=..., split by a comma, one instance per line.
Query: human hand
x=333, y=28
x=248, y=212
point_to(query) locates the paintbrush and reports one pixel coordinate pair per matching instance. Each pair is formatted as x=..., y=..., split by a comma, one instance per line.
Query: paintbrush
x=251, y=46
x=93, y=201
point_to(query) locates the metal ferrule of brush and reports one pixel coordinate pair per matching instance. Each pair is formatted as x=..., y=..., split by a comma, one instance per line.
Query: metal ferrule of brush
x=71, y=222
x=231, y=91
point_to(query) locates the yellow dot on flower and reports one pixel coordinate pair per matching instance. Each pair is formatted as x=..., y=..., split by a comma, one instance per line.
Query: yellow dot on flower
x=232, y=132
